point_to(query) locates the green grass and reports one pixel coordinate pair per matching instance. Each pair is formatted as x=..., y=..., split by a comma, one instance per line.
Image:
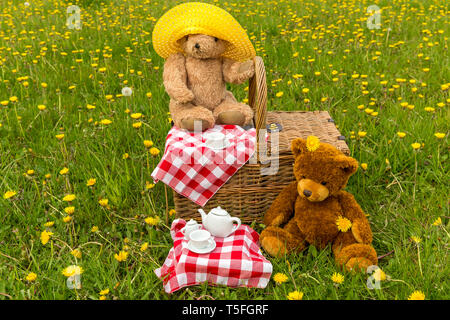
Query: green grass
x=403, y=196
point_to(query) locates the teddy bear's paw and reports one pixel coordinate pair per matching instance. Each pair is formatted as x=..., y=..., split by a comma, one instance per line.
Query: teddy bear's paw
x=359, y=264
x=355, y=253
x=274, y=246
x=194, y=124
x=232, y=117
x=185, y=96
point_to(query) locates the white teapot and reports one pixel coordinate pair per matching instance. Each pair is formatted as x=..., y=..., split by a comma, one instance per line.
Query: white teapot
x=219, y=222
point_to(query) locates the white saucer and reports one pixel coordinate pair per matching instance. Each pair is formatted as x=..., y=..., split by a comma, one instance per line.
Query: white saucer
x=227, y=144
x=203, y=250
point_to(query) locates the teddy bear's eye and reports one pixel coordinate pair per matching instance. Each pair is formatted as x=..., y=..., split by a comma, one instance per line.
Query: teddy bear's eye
x=216, y=39
x=323, y=183
x=303, y=177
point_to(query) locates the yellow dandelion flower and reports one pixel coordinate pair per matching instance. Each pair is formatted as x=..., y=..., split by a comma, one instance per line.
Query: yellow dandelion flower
x=172, y=212
x=279, y=94
x=31, y=277
x=437, y=222
x=69, y=197
x=94, y=229
x=121, y=256
x=148, y=94
x=137, y=125
x=312, y=143
x=103, y=202
x=401, y=134
x=41, y=107
x=105, y=122
x=125, y=156
x=439, y=135
x=154, y=151
x=45, y=237
x=104, y=292
x=69, y=210
x=102, y=298
x=136, y=115
x=152, y=221
x=295, y=295
x=337, y=278
x=148, y=143
x=379, y=275
x=49, y=224
x=76, y=253
x=9, y=194
x=416, y=239
x=343, y=224
x=67, y=219
x=149, y=185
x=144, y=246
x=417, y=295
x=4, y=103
x=91, y=182
x=364, y=166
x=280, y=278
x=64, y=171
x=72, y=270
x=415, y=145
x=362, y=134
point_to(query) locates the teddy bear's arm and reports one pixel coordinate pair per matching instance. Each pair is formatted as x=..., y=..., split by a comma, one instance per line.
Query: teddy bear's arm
x=236, y=72
x=360, y=225
x=282, y=207
x=175, y=78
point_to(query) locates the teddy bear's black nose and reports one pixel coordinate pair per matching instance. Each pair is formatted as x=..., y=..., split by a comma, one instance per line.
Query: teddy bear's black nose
x=307, y=193
x=197, y=46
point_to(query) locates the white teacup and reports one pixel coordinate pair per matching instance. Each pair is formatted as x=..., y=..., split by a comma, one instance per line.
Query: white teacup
x=201, y=239
x=216, y=140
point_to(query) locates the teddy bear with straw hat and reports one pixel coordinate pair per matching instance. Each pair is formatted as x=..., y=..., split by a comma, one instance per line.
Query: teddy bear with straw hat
x=204, y=48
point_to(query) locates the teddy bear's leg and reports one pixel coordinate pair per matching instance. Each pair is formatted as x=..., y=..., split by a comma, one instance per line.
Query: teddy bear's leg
x=185, y=116
x=280, y=241
x=353, y=255
x=229, y=111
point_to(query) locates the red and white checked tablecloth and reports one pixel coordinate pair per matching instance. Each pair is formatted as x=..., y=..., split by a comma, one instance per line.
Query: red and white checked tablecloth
x=196, y=171
x=235, y=262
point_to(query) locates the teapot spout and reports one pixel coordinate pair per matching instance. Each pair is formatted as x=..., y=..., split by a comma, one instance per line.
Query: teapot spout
x=204, y=215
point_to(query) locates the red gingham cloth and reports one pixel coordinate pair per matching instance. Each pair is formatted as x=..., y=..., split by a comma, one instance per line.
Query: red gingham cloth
x=197, y=172
x=235, y=262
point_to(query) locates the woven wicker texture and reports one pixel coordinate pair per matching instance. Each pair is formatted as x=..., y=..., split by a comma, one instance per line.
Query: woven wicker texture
x=201, y=18
x=249, y=194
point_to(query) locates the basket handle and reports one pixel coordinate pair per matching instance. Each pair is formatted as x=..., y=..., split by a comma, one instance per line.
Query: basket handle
x=257, y=96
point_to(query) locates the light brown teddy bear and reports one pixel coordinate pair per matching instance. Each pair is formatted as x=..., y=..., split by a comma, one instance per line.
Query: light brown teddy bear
x=196, y=83
x=314, y=209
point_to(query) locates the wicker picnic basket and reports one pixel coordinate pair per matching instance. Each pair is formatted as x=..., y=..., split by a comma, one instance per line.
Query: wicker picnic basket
x=248, y=194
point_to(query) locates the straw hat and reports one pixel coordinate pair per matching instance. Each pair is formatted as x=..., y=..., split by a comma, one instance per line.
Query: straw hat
x=201, y=18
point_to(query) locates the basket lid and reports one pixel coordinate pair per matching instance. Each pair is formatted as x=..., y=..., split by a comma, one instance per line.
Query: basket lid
x=301, y=124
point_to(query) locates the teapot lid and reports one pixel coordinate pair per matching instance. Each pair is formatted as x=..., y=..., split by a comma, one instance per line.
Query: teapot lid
x=219, y=211
x=191, y=222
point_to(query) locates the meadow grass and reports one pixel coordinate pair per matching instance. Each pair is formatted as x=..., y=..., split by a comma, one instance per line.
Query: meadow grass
x=374, y=82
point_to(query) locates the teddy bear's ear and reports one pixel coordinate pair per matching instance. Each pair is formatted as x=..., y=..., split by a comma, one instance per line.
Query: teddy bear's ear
x=348, y=164
x=298, y=146
x=183, y=40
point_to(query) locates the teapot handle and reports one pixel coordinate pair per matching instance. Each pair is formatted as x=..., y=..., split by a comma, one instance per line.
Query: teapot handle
x=238, y=221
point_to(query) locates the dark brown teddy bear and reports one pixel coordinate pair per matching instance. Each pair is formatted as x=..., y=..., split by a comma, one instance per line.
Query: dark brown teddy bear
x=314, y=209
